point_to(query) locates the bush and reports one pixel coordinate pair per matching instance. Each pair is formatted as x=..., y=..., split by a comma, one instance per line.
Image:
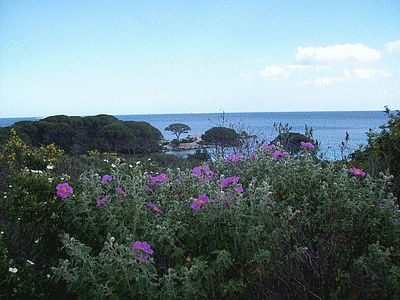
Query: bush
x=382, y=154
x=329, y=233
x=258, y=227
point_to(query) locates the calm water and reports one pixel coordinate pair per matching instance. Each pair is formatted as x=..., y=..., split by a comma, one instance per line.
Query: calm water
x=329, y=127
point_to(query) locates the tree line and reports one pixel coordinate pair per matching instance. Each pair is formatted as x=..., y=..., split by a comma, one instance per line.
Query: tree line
x=77, y=135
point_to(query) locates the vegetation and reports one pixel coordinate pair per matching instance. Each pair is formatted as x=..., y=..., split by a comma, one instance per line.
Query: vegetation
x=178, y=129
x=220, y=138
x=76, y=135
x=382, y=154
x=268, y=225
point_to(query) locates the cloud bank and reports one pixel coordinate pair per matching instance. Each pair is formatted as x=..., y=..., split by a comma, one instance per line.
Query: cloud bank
x=332, y=64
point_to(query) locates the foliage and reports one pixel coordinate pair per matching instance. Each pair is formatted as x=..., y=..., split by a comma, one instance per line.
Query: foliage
x=382, y=153
x=324, y=224
x=254, y=227
x=78, y=135
x=220, y=138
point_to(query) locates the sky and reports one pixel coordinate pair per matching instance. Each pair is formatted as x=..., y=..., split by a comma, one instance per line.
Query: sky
x=82, y=58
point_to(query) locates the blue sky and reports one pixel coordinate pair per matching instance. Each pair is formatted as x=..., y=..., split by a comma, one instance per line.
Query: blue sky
x=153, y=57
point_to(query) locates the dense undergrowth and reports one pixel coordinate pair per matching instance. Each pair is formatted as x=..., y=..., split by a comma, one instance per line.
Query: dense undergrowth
x=263, y=226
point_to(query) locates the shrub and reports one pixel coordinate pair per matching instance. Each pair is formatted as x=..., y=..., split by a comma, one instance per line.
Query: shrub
x=266, y=227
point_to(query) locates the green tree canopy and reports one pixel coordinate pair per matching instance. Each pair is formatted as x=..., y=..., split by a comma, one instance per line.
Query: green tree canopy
x=220, y=138
x=178, y=129
x=78, y=135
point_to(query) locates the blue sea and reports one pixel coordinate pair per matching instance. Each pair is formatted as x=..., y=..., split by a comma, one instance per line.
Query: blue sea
x=329, y=128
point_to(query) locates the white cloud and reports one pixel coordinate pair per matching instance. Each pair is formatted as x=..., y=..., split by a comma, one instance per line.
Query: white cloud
x=347, y=52
x=324, y=80
x=270, y=71
x=393, y=46
x=288, y=69
x=347, y=72
x=368, y=73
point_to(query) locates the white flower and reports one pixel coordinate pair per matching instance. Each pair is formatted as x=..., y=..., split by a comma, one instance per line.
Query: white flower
x=106, y=160
x=1, y=232
x=36, y=171
x=113, y=165
x=48, y=275
x=37, y=241
x=50, y=167
x=31, y=262
x=138, y=162
x=13, y=270
x=50, y=179
x=130, y=166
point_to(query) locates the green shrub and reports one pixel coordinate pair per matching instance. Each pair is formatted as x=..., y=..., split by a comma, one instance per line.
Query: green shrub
x=259, y=227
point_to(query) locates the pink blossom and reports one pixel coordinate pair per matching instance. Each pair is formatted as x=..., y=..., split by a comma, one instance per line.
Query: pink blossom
x=63, y=190
x=279, y=154
x=102, y=200
x=309, y=145
x=357, y=171
x=142, y=247
x=199, y=202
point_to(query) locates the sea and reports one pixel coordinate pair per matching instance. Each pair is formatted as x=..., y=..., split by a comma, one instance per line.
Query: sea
x=329, y=127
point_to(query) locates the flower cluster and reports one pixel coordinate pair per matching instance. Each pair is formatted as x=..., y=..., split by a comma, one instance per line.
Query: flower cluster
x=162, y=177
x=198, y=172
x=233, y=181
x=234, y=158
x=269, y=147
x=277, y=154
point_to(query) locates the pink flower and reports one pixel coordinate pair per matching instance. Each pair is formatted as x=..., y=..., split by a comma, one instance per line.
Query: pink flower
x=270, y=202
x=150, y=190
x=106, y=178
x=102, y=200
x=269, y=147
x=234, y=158
x=121, y=191
x=199, y=202
x=225, y=182
x=309, y=145
x=162, y=177
x=178, y=181
x=198, y=171
x=357, y=171
x=155, y=208
x=279, y=154
x=63, y=190
x=252, y=155
x=142, y=247
x=153, y=179
x=239, y=189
